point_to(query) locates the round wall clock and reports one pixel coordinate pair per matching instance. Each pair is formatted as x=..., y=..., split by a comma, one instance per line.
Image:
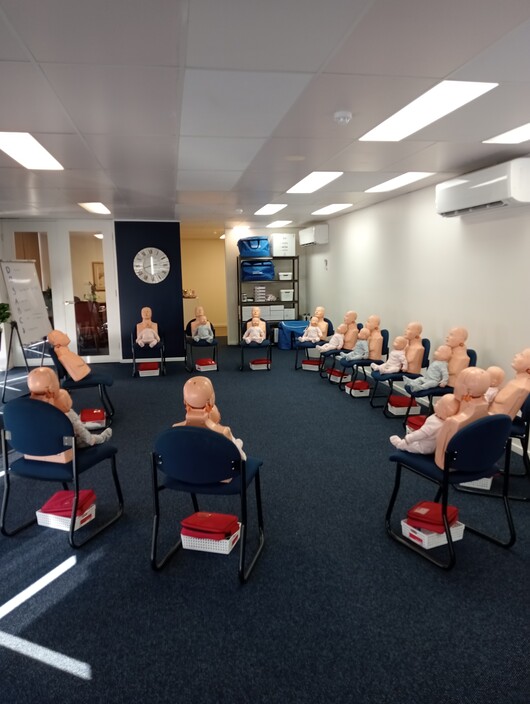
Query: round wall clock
x=151, y=265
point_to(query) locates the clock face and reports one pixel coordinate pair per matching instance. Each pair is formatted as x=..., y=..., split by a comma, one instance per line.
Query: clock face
x=151, y=265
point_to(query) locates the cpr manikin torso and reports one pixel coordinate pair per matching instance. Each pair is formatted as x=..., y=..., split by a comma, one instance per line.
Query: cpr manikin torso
x=352, y=331
x=256, y=313
x=511, y=397
x=375, y=342
x=456, y=339
x=470, y=387
x=76, y=367
x=319, y=314
x=415, y=349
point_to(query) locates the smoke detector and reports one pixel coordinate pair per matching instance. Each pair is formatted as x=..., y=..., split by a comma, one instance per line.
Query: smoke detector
x=342, y=117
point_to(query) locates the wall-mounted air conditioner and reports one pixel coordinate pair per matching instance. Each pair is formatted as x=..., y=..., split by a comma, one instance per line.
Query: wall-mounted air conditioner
x=316, y=234
x=497, y=186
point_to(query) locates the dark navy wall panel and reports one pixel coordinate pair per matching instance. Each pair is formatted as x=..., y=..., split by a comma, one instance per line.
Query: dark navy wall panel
x=165, y=298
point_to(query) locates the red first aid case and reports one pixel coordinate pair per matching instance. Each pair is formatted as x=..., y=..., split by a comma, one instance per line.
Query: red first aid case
x=60, y=504
x=214, y=526
x=428, y=514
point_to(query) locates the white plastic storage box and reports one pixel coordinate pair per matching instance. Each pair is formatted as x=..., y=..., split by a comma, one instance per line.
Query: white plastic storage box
x=285, y=276
x=223, y=547
x=286, y=294
x=283, y=244
x=50, y=520
x=427, y=538
x=289, y=314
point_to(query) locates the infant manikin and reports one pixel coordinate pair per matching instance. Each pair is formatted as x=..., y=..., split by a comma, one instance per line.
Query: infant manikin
x=437, y=373
x=336, y=341
x=496, y=379
x=203, y=331
x=360, y=351
x=254, y=333
x=423, y=440
x=44, y=386
x=312, y=333
x=397, y=360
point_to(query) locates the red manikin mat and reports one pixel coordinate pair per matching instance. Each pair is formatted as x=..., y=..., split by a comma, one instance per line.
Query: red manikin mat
x=60, y=504
x=416, y=422
x=214, y=526
x=401, y=401
x=147, y=366
x=88, y=415
x=428, y=514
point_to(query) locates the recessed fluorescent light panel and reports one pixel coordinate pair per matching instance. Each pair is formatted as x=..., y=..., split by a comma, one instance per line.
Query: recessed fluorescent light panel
x=444, y=98
x=515, y=136
x=97, y=208
x=279, y=223
x=315, y=180
x=25, y=149
x=333, y=208
x=399, y=181
x=271, y=208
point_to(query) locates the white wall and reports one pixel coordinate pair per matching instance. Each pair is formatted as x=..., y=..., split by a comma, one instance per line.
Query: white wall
x=402, y=261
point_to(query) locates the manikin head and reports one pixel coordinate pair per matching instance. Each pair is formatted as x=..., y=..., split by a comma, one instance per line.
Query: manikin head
x=457, y=337
x=146, y=313
x=43, y=382
x=58, y=338
x=472, y=382
x=364, y=334
x=443, y=353
x=199, y=394
x=342, y=329
x=373, y=322
x=496, y=376
x=446, y=406
x=413, y=330
x=199, y=310
x=400, y=342
x=319, y=312
x=256, y=312
x=521, y=362
x=256, y=322
x=314, y=321
x=202, y=320
x=63, y=401
x=350, y=317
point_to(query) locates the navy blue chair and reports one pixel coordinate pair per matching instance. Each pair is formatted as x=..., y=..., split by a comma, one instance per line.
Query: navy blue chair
x=355, y=365
x=264, y=347
x=198, y=461
x=36, y=428
x=471, y=454
x=200, y=345
x=305, y=346
x=98, y=380
x=141, y=353
x=390, y=379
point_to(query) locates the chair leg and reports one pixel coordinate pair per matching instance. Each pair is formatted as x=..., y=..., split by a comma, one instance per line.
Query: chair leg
x=400, y=538
x=157, y=564
x=71, y=535
x=105, y=400
x=245, y=571
x=5, y=501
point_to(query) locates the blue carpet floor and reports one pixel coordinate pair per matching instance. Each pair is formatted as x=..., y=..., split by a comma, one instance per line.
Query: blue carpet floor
x=334, y=612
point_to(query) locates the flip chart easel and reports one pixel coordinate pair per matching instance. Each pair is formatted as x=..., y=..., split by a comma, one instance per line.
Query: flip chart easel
x=29, y=323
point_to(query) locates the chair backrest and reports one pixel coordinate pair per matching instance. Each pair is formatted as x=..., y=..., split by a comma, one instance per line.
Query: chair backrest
x=479, y=445
x=525, y=410
x=385, y=335
x=196, y=455
x=426, y=352
x=36, y=427
x=331, y=330
x=472, y=357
